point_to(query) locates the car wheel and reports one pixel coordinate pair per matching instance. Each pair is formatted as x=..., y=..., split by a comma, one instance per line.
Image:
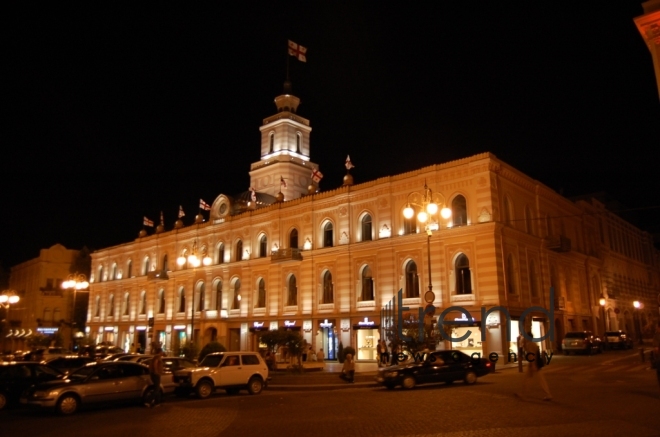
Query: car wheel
x=470, y=378
x=232, y=391
x=408, y=382
x=255, y=385
x=67, y=405
x=3, y=401
x=389, y=386
x=204, y=389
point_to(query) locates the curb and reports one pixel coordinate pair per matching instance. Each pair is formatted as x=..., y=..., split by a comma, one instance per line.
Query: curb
x=321, y=387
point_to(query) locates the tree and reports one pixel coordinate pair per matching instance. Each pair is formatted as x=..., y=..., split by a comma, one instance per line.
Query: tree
x=209, y=348
x=291, y=340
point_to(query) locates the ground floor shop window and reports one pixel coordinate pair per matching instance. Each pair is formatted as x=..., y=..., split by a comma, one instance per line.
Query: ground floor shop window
x=367, y=341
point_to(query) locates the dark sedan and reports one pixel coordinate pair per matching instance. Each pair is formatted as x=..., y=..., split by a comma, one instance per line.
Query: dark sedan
x=439, y=366
x=16, y=377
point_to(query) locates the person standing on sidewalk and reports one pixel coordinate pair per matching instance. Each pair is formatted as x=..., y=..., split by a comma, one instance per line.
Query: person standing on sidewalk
x=532, y=355
x=348, y=370
x=656, y=352
x=155, y=372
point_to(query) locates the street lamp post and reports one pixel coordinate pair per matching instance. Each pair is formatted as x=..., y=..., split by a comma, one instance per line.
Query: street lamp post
x=602, y=302
x=8, y=298
x=75, y=282
x=638, y=305
x=194, y=260
x=429, y=204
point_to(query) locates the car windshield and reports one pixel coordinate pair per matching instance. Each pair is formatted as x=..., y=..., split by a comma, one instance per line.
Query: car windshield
x=211, y=360
x=82, y=372
x=576, y=335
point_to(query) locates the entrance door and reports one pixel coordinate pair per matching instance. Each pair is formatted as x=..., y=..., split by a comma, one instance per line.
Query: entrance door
x=234, y=339
x=330, y=343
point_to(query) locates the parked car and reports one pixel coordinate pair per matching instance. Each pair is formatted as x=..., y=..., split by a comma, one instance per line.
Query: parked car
x=440, y=366
x=581, y=342
x=100, y=351
x=231, y=371
x=16, y=377
x=618, y=340
x=170, y=365
x=68, y=363
x=45, y=353
x=96, y=383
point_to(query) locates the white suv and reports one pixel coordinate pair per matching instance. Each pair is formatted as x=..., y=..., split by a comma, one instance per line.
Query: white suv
x=231, y=371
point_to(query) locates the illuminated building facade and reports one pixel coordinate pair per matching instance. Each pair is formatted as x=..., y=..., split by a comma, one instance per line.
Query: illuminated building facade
x=326, y=263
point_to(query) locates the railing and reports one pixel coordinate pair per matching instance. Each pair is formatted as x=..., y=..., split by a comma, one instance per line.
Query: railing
x=288, y=254
x=157, y=275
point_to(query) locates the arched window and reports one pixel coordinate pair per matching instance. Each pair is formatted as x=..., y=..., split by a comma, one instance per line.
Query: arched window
x=202, y=297
x=507, y=211
x=512, y=275
x=328, y=292
x=459, y=211
x=218, y=296
x=292, y=294
x=239, y=251
x=533, y=279
x=111, y=308
x=48, y=315
x=221, y=253
x=327, y=235
x=145, y=266
x=366, y=228
x=298, y=142
x=293, y=239
x=410, y=224
x=100, y=270
x=97, y=306
x=161, y=301
x=463, y=277
x=129, y=269
x=143, y=302
x=261, y=297
x=166, y=267
x=127, y=304
x=529, y=225
x=263, y=247
x=113, y=272
x=236, y=302
x=412, y=280
x=181, y=297
x=272, y=142
x=57, y=315
x=367, y=285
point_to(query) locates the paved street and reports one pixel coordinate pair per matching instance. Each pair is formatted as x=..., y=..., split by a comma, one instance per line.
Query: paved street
x=612, y=394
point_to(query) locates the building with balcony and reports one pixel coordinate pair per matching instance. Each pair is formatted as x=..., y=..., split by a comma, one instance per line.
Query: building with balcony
x=326, y=263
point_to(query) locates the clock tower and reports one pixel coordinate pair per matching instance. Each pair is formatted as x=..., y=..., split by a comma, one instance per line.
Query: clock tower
x=284, y=151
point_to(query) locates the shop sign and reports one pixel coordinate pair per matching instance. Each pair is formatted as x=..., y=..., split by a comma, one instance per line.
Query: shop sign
x=493, y=320
x=307, y=326
x=47, y=331
x=109, y=328
x=140, y=328
x=325, y=324
x=258, y=324
x=179, y=327
x=345, y=325
x=367, y=322
x=289, y=324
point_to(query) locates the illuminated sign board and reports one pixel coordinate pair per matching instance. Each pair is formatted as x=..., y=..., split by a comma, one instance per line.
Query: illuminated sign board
x=258, y=324
x=367, y=322
x=325, y=324
x=47, y=330
x=287, y=323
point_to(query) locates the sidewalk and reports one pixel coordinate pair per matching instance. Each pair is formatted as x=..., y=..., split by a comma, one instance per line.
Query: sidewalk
x=328, y=377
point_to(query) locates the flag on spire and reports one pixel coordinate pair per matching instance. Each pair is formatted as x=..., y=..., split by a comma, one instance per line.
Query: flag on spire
x=298, y=51
x=162, y=220
x=181, y=213
x=282, y=182
x=253, y=194
x=316, y=175
x=203, y=205
x=349, y=164
x=147, y=222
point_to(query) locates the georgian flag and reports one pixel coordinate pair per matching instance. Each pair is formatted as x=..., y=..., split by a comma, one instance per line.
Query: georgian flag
x=349, y=164
x=147, y=222
x=181, y=213
x=203, y=205
x=162, y=220
x=282, y=182
x=253, y=194
x=297, y=51
x=316, y=175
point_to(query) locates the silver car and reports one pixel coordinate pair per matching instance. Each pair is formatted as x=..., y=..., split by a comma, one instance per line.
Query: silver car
x=95, y=383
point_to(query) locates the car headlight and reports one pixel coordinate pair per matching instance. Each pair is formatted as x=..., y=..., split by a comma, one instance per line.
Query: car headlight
x=44, y=394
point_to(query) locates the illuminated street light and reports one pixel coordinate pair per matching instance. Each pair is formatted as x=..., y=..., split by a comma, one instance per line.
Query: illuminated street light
x=75, y=282
x=638, y=305
x=8, y=298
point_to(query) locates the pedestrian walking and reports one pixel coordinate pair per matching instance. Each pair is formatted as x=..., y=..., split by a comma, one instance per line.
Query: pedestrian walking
x=348, y=370
x=656, y=352
x=533, y=355
x=155, y=372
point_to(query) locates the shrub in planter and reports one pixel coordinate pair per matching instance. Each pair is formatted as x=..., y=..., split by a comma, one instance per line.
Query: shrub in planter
x=349, y=350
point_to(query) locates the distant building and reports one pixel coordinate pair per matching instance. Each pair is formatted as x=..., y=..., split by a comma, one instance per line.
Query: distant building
x=44, y=307
x=649, y=27
x=327, y=263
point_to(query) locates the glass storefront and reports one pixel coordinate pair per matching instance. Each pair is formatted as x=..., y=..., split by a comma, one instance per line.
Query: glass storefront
x=470, y=344
x=538, y=330
x=367, y=341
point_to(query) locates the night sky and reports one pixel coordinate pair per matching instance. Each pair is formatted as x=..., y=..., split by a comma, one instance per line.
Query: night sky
x=115, y=113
